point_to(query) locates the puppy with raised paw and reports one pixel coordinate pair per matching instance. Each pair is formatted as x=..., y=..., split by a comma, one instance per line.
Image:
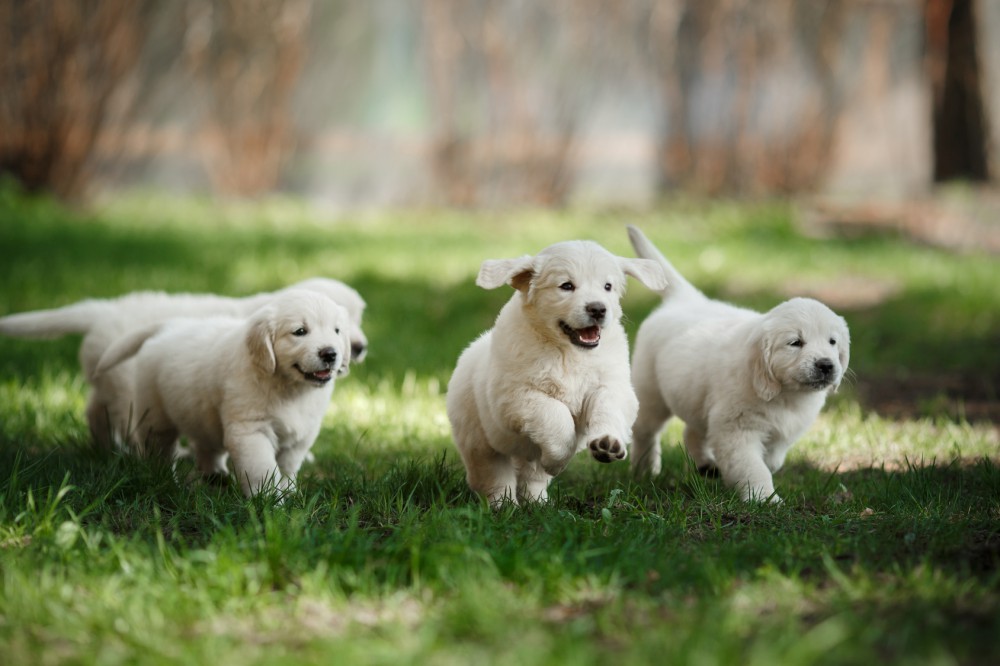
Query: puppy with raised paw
x=552, y=376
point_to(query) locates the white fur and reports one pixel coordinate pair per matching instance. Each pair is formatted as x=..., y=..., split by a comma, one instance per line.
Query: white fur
x=103, y=321
x=524, y=398
x=254, y=389
x=747, y=385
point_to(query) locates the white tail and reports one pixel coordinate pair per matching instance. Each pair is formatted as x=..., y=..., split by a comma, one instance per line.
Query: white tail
x=676, y=284
x=76, y=318
x=125, y=347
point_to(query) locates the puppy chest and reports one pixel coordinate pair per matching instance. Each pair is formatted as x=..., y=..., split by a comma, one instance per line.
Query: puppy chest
x=297, y=425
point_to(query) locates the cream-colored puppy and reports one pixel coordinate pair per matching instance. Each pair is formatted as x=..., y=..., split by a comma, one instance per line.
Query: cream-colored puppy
x=103, y=321
x=254, y=388
x=747, y=385
x=552, y=376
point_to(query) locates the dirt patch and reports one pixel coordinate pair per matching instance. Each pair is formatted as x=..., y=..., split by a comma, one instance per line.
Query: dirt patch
x=971, y=398
x=959, y=223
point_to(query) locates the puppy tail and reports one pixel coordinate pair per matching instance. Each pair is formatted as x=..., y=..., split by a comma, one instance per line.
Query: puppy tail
x=75, y=318
x=125, y=348
x=676, y=284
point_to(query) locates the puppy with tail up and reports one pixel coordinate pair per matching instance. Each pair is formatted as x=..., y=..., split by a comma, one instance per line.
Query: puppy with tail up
x=746, y=384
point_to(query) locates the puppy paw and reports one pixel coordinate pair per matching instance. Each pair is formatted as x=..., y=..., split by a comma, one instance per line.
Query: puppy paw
x=607, y=449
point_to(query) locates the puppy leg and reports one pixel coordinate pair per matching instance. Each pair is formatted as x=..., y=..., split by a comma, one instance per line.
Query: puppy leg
x=210, y=461
x=491, y=474
x=99, y=420
x=609, y=416
x=254, y=462
x=653, y=414
x=290, y=461
x=740, y=456
x=775, y=456
x=701, y=454
x=488, y=472
x=549, y=424
x=532, y=481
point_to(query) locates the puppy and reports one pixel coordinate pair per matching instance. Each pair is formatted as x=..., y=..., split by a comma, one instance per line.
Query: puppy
x=251, y=389
x=103, y=321
x=746, y=384
x=552, y=376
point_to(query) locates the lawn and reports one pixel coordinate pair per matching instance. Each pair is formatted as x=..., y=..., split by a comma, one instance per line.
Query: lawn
x=886, y=548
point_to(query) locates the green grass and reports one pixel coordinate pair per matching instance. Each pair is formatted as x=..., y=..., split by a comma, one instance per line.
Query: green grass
x=886, y=548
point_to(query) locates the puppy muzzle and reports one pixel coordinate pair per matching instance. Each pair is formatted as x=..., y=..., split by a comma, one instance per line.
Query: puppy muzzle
x=328, y=361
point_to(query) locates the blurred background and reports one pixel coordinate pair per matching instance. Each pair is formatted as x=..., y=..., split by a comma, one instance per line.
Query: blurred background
x=479, y=103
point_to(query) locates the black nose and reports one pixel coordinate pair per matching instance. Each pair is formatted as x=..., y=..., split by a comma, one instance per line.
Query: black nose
x=596, y=310
x=328, y=354
x=358, y=351
x=825, y=366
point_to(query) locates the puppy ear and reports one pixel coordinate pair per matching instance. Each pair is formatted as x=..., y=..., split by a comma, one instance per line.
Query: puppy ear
x=765, y=384
x=647, y=271
x=344, y=368
x=260, y=341
x=515, y=272
x=843, y=351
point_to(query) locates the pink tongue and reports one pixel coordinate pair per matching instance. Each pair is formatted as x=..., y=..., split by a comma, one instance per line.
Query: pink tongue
x=321, y=374
x=589, y=335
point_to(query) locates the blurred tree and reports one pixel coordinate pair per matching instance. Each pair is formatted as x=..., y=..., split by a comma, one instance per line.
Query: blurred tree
x=507, y=84
x=749, y=97
x=248, y=54
x=953, y=65
x=63, y=66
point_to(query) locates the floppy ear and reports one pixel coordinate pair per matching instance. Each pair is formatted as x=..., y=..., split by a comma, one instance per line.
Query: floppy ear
x=765, y=384
x=515, y=272
x=843, y=351
x=647, y=271
x=260, y=341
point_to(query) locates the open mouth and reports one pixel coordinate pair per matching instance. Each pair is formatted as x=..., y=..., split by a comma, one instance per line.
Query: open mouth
x=318, y=377
x=588, y=338
x=818, y=385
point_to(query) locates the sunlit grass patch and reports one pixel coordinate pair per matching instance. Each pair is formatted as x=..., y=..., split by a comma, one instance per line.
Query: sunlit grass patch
x=48, y=409
x=885, y=548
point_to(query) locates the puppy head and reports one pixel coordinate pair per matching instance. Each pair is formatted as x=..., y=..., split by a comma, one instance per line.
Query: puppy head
x=802, y=345
x=351, y=300
x=301, y=336
x=571, y=290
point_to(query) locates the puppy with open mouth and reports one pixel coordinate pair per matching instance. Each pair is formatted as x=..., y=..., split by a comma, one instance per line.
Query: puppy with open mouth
x=102, y=322
x=551, y=378
x=746, y=384
x=251, y=390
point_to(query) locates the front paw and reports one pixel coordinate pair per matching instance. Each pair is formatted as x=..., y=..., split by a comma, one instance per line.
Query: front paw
x=607, y=449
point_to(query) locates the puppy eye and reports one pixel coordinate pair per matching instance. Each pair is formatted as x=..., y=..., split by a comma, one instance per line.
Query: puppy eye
x=567, y=286
x=337, y=331
x=300, y=331
x=607, y=286
x=833, y=341
x=797, y=342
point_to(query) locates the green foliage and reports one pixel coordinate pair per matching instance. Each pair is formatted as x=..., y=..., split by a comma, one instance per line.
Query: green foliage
x=886, y=547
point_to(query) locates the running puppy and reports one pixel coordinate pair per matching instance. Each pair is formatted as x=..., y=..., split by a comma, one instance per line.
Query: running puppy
x=103, y=321
x=552, y=377
x=252, y=389
x=746, y=384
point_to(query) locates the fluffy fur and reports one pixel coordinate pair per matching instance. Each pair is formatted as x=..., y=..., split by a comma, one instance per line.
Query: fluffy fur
x=747, y=385
x=103, y=321
x=552, y=376
x=253, y=389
